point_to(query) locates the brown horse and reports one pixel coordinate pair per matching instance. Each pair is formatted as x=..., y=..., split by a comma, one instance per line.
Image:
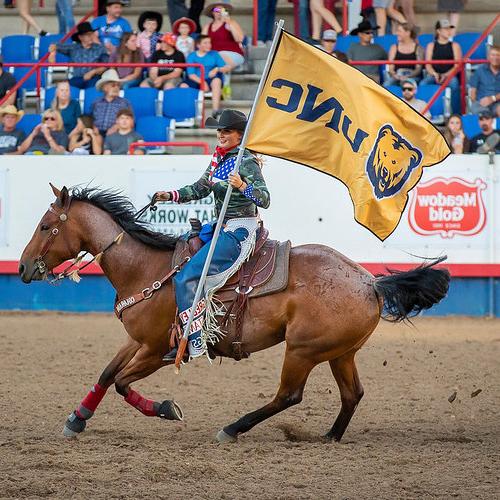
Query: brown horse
x=327, y=312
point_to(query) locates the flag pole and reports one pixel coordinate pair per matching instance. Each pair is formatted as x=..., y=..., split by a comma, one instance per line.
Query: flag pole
x=204, y=273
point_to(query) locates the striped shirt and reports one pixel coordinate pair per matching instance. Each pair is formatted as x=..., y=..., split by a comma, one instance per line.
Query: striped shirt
x=104, y=112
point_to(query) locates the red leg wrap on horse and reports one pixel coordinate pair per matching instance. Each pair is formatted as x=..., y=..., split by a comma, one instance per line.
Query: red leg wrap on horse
x=91, y=401
x=145, y=406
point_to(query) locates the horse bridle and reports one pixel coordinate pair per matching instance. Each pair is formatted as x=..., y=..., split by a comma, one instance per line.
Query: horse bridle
x=63, y=217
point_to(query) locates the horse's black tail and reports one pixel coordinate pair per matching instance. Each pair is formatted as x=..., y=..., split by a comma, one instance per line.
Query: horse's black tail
x=406, y=293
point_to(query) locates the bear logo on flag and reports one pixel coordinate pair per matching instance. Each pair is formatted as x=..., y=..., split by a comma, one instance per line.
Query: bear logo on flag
x=391, y=162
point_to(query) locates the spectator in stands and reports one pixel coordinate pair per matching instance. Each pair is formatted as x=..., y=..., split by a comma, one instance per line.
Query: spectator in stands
x=69, y=108
x=485, y=85
x=149, y=23
x=165, y=78
x=409, y=88
x=488, y=137
x=10, y=136
x=64, y=11
x=119, y=142
x=85, y=138
x=320, y=13
x=328, y=41
x=384, y=9
x=365, y=50
x=47, y=137
x=84, y=50
x=105, y=109
x=225, y=33
x=407, y=49
x=214, y=67
x=443, y=48
x=455, y=136
x=24, y=7
x=111, y=26
x=182, y=28
x=7, y=81
x=128, y=52
x=453, y=9
x=408, y=12
x=266, y=17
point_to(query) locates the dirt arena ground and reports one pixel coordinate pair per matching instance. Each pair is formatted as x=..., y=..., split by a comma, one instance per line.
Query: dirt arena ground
x=407, y=440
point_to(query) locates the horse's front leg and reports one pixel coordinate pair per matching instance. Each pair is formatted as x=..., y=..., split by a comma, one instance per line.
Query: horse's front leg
x=77, y=421
x=145, y=362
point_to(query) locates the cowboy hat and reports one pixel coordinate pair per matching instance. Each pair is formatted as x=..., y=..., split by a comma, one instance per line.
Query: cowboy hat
x=150, y=14
x=209, y=8
x=110, y=75
x=229, y=119
x=81, y=29
x=190, y=22
x=11, y=110
x=363, y=27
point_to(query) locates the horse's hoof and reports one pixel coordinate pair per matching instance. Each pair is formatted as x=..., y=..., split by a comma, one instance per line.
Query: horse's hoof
x=224, y=437
x=170, y=410
x=74, y=425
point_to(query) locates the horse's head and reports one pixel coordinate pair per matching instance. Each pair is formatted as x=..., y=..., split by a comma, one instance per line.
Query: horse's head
x=53, y=242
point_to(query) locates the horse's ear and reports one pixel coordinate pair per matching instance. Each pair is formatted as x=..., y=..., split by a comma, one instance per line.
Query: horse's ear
x=56, y=191
x=63, y=197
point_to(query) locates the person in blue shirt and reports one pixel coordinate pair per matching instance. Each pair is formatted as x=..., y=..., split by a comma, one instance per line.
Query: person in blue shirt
x=485, y=85
x=111, y=26
x=214, y=66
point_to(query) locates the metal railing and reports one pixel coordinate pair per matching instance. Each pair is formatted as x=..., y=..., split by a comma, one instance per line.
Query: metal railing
x=194, y=144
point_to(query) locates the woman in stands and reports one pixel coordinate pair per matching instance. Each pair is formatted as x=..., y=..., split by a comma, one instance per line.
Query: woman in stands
x=407, y=49
x=47, y=137
x=24, y=7
x=214, y=66
x=241, y=223
x=455, y=136
x=69, y=108
x=85, y=138
x=128, y=52
x=225, y=33
x=320, y=14
x=442, y=48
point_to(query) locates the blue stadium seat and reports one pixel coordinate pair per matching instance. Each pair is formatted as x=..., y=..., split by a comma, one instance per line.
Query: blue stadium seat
x=89, y=96
x=466, y=40
x=386, y=41
x=471, y=125
x=425, y=38
x=344, y=41
x=396, y=90
x=30, y=84
x=144, y=101
x=425, y=92
x=154, y=128
x=47, y=96
x=28, y=122
x=43, y=47
x=181, y=104
x=18, y=48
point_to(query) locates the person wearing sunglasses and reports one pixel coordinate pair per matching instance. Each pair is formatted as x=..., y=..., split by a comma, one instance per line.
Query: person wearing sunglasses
x=409, y=88
x=47, y=137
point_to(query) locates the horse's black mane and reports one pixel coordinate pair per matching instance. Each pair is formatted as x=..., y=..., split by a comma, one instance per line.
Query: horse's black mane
x=120, y=208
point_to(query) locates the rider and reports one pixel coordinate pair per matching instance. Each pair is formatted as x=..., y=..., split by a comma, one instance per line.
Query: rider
x=237, y=238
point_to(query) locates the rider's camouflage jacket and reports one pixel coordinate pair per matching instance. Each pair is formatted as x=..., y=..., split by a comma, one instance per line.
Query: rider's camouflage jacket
x=215, y=180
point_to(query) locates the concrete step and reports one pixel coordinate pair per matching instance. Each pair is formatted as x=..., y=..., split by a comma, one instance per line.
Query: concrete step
x=244, y=87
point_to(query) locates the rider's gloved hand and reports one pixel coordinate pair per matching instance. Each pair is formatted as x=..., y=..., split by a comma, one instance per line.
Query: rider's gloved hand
x=162, y=196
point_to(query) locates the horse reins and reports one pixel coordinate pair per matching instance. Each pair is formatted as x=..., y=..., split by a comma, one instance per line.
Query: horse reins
x=63, y=217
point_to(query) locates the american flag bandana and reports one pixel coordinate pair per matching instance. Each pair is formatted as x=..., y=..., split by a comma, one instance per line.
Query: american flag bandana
x=220, y=170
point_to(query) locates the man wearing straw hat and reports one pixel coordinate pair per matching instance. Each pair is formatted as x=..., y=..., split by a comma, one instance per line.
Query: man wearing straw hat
x=10, y=137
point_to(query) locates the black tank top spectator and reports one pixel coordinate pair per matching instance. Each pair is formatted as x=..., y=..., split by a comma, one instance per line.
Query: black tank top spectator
x=407, y=49
x=443, y=48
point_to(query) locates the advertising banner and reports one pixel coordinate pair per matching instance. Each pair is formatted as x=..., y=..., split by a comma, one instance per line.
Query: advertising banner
x=170, y=218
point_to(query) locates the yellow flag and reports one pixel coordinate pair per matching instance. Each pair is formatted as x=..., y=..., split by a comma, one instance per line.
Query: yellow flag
x=320, y=112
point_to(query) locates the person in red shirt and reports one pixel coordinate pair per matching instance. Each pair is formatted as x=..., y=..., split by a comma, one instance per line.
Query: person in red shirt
x=225, y=33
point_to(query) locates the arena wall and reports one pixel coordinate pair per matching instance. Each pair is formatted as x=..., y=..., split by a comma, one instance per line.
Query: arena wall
x=455, y=210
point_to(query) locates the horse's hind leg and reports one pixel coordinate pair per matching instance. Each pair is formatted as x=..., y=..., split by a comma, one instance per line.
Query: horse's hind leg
x=351, y=391
x=296, y=369
x=144, y=363
x=77, y=421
